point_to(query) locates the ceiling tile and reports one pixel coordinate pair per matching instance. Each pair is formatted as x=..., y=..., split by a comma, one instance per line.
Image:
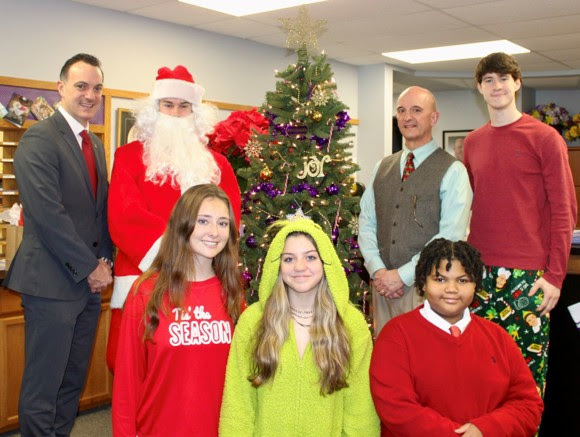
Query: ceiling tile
x=514, y=10
x=359, y=31
x=536, y=28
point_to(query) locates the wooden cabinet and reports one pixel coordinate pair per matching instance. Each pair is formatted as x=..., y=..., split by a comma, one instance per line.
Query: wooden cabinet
x=99, y=386
x=9, y=137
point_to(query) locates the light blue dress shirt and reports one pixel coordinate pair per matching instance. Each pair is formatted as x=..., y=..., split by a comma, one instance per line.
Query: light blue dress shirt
x=455, y=194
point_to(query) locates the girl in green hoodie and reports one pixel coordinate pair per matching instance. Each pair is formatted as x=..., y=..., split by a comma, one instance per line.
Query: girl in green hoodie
x=299, y=359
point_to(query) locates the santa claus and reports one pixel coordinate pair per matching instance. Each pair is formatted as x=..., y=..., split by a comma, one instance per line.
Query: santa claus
x=150, y=174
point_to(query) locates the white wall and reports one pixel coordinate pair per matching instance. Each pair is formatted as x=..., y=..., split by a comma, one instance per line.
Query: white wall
x=375, y=131
x=232, y=70
x=459, y=110
x=132, y=48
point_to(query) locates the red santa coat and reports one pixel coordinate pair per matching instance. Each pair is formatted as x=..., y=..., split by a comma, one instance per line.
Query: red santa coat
x=139, y=210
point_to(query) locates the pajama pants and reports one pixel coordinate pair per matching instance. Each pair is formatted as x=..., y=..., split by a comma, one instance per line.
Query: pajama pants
x=504, y=300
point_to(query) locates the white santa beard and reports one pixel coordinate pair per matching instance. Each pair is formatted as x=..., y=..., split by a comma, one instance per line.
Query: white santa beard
x=176, y=152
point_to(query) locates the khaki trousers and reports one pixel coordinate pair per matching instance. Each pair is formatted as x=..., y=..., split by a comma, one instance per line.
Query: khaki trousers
x=384, y=309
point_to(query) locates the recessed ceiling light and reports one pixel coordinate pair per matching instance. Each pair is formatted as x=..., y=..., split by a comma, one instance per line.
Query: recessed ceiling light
x=239, y=8
x=461, y=51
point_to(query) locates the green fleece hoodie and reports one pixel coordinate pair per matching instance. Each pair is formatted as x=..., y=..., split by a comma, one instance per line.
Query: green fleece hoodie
x=290, y=404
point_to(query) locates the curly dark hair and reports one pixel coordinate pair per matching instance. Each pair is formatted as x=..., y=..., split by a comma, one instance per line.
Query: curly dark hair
x=442, y=249
x=500, y=63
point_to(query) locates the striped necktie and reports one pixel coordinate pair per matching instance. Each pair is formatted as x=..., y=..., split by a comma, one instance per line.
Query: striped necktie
x=409, y=166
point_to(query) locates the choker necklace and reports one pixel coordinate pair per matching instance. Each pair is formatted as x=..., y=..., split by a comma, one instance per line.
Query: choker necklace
x=301, y=324
x=294, y=310
x=300, y=316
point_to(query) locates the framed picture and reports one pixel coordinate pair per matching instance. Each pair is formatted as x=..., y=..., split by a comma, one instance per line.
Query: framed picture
x=125, y=122
x=453, y=139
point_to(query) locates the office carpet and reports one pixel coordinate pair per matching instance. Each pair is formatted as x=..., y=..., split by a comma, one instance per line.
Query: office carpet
x=90, y=423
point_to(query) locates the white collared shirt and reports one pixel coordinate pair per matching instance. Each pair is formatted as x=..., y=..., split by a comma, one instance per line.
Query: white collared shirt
x=434, y=318
x=75, y=126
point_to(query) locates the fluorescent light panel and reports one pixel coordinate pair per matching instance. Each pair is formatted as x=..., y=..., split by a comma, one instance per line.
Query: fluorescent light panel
x=239, y=8
x=461, y=51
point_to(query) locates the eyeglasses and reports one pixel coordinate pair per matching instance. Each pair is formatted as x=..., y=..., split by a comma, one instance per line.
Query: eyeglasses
x=415, y=211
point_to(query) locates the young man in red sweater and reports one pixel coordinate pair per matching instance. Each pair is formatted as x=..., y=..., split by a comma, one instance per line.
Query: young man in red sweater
x=440, y=371
x=523, y=212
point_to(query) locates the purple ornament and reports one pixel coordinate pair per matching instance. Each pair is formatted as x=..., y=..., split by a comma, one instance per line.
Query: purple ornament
x=320, y=142
x=247, y=277
x=296, y=130
x=355, y=266
x=353, y=243
x=334, y=236
x=332, y=189
x=341, y=119
x=251, y=242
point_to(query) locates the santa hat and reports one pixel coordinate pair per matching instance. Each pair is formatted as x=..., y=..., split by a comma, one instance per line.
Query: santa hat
x=177, y=84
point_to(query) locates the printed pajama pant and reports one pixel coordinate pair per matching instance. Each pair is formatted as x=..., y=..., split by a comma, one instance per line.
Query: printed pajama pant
x=504, y=300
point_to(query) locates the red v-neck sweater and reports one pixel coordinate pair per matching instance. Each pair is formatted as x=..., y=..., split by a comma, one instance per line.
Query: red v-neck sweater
x=426, y=382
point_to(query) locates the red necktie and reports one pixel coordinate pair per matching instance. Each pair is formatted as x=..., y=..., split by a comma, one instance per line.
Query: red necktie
x=409, y=166
x=455, y=331
x=90, y=160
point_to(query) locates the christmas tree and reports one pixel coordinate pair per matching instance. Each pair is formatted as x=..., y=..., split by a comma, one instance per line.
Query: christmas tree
x=302, y=166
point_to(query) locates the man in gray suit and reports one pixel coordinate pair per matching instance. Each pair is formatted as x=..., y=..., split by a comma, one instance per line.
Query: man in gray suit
x=63, y=261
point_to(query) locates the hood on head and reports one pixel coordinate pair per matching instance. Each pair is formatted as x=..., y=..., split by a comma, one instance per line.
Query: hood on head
x=333, y=269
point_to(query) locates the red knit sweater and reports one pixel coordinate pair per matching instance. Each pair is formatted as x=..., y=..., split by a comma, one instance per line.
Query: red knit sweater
x=172, y=387
x=524, y=202
x=425, y=382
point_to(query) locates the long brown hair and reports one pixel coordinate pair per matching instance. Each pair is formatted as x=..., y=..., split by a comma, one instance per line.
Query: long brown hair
x=175, y=259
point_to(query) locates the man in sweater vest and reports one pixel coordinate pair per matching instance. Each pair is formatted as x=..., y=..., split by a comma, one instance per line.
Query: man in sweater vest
x=524, y=211
x=416, y=195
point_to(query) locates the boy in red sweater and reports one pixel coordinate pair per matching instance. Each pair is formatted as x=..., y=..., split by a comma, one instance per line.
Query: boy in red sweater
x=523, y=211
x=440, y=371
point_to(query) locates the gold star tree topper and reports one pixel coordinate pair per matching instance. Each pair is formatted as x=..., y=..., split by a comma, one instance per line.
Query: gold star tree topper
x=302, y=31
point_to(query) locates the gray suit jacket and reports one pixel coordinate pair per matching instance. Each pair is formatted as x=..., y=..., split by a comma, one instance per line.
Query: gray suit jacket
x=65, y=227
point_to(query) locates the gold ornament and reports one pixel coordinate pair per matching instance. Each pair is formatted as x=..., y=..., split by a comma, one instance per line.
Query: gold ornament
x=253, y=148
x=319, y=96
x=314, y=167
x=302, y=31
x=316, y=116
x=353, y=225
x=266, y=174
x=353, y=189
